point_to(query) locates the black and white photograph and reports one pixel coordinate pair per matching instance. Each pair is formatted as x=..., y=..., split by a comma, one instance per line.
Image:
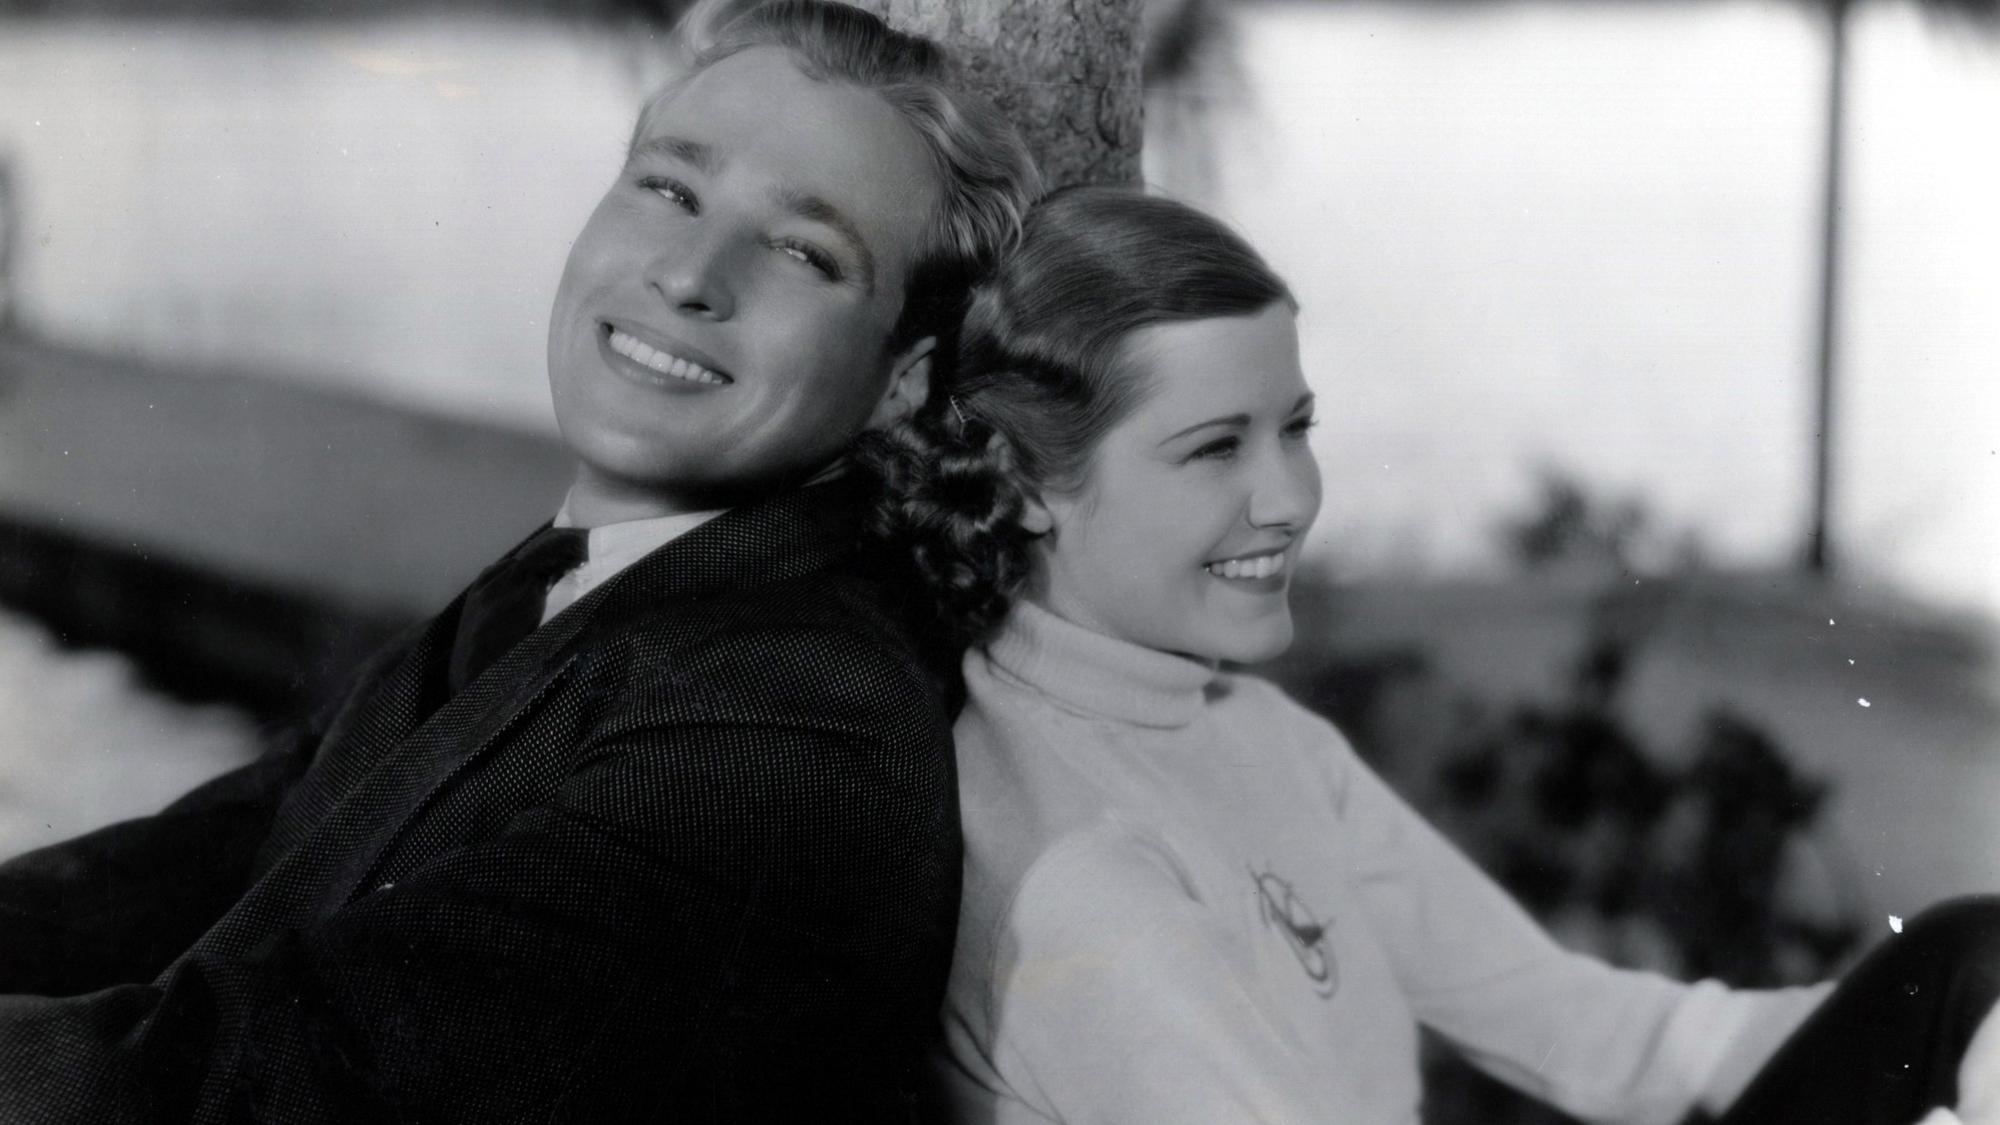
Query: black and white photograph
x=993, y=562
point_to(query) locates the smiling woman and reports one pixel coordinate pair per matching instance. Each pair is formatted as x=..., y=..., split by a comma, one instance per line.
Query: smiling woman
x=1186, y=898
x=1186, y=529
x=1052, y=355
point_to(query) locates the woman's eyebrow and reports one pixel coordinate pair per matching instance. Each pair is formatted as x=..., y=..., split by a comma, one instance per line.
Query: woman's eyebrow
x=1228, y=420
x=1235, y=420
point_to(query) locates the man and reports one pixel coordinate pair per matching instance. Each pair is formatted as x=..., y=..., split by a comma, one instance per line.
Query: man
x=688, y=849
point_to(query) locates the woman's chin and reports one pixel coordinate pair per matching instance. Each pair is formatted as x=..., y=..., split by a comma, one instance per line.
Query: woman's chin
x=1267, y=641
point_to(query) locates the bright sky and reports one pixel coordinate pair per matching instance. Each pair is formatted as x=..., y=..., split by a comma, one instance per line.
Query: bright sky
x=1586, y=236
x=1573, y=234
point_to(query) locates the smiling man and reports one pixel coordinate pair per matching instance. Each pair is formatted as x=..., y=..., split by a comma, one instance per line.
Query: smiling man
x=728, y=319
x=658, y=820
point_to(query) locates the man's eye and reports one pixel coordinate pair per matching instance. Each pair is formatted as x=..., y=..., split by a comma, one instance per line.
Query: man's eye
x=673, y=191
x=811, y=255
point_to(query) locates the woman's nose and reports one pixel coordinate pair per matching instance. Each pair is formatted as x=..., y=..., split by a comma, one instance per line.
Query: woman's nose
x=1285, y=492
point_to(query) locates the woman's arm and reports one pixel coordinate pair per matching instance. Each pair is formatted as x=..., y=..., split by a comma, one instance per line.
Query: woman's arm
x=1599, y=1042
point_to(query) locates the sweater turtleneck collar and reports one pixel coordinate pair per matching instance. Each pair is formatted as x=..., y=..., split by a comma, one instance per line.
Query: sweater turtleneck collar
x=1094, y=674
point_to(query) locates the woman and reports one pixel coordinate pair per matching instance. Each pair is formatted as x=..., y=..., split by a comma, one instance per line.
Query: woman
x=1186, y=899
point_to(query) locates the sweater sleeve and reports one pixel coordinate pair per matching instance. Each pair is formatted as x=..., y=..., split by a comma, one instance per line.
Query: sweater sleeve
x=1598, y=1042
x=1114, y=999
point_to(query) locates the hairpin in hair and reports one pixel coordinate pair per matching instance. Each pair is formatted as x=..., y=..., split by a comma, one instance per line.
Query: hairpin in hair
x=956, y=409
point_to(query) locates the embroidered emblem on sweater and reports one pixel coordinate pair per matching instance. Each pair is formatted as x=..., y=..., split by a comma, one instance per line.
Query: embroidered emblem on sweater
x=1305, y=934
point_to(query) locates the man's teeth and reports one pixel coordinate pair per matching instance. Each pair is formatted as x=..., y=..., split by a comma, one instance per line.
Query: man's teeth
x=1263, y=566
x=649, y=356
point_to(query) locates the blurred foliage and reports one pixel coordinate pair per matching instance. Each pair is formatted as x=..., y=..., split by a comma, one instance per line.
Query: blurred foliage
x=1677, y=858
x=1569, y=527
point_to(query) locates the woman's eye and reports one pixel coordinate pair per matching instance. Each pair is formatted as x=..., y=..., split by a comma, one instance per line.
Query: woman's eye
x=1217, y=450
x=1300, y=427
x=673, y=191
x=811, y=255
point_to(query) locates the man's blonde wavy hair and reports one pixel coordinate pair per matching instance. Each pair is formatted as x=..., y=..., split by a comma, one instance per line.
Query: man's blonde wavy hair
x=986, y=177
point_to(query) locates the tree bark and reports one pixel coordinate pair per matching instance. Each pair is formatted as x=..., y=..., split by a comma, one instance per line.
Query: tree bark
x=1066, y=72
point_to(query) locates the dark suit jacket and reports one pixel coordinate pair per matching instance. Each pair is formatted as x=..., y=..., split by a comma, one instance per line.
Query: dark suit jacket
x=689, y=852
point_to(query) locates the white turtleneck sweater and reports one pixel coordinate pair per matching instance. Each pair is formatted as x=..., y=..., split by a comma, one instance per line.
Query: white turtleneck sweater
x=1187, y=900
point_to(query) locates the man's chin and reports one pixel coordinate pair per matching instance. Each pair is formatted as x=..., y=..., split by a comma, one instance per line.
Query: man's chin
x=698, y=491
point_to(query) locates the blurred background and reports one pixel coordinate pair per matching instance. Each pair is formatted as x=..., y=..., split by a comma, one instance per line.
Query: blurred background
x=1657, y=345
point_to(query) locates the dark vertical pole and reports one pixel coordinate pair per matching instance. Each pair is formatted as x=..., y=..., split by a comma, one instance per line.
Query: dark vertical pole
x=1819, y=545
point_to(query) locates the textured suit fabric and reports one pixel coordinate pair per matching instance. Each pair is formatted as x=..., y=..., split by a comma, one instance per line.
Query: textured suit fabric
x=689, y=852
x=504, y=604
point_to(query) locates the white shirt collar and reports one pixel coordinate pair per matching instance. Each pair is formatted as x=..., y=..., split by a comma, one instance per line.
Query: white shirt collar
x=613, y=547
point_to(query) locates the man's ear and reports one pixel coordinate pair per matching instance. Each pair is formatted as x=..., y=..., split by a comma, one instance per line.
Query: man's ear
x=909, y=384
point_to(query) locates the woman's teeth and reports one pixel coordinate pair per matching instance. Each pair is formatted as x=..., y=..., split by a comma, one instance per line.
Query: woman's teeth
x=648, y=356
x=1262, y=566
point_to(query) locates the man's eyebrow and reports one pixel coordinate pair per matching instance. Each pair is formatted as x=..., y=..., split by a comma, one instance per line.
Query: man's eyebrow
x=694, y=153
x=1236, y=420
x=813, y=209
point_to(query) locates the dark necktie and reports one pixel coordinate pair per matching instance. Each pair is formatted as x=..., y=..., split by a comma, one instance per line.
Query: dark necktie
x=505, y=604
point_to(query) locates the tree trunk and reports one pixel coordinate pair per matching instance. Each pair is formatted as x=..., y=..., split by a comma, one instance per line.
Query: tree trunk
x=1066, y=72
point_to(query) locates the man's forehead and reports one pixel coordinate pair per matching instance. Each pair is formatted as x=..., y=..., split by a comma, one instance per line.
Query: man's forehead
x=827, y=142
x=700, y=154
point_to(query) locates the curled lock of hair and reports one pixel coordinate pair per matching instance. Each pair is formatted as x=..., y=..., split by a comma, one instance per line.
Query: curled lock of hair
x=951, y=503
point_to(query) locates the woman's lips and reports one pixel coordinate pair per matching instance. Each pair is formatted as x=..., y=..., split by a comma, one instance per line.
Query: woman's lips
x=1252, y=567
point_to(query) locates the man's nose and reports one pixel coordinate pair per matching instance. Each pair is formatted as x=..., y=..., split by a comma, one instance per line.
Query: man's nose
x=1285, y=490
x=693, y=274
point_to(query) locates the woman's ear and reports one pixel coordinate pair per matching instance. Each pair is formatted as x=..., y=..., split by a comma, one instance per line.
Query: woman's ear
x=1035, y=516
x=909, y=384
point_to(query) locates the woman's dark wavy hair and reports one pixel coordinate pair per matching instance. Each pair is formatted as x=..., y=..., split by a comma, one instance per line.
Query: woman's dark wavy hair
x=1038, y=374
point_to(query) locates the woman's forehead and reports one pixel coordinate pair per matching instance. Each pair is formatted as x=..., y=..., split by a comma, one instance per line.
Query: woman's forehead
x=1248, y=362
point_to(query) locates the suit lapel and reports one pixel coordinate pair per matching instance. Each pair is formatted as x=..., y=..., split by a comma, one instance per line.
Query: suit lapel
x=406, y=781
x=788, y=537
x=388, y=702
x=384, y=712
x=386, y=759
